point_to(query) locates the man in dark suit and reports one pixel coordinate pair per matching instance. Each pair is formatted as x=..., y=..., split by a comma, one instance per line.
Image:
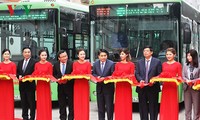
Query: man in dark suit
x=65, y=89
x=27, y=89
x=105, y=92
x=146, y=68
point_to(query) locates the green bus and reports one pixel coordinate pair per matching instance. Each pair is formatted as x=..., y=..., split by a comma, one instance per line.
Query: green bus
x=133, y=24
x=53, y=25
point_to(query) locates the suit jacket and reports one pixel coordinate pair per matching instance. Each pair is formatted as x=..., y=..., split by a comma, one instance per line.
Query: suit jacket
x=108, y=70
x=196, y=74
x=57, y=73
x=154, y=70
x=29, y=70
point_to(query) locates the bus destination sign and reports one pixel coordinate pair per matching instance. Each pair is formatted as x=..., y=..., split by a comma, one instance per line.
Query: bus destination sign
x=40, y=16
x=130, y=11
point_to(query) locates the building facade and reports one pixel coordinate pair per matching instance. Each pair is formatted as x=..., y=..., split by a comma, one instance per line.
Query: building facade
x=195, y=3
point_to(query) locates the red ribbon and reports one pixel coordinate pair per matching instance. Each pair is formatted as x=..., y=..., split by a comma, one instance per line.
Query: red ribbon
x=196, y=84
x=6, y=76
x=80, y=76
x=36, y=77
x=143, y=84
x=167, y=77
x=127, y=78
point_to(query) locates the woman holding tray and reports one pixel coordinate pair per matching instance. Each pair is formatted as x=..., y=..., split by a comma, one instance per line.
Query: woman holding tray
x=190, y=72
x=6, y=87
x=81, y=87
x=123, y=91
x=169, y=101
x=43, y=90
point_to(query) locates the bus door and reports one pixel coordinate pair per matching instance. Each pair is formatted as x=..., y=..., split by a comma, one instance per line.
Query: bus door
x=72, y=42
x=82, y=41
x=74, y=32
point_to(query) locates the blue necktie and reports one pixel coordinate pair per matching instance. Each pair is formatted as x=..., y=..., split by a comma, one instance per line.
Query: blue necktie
x=102, y=67
x=147, y=71
x=63, y=69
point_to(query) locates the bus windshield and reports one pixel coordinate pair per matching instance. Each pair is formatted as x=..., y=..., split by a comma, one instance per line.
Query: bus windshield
x=134, y=26
x=35, y=30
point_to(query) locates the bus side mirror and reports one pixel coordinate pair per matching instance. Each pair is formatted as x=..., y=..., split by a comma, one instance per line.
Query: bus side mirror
x=63, y=38
x=186, y=35
x=62, y=31
x=79, y=23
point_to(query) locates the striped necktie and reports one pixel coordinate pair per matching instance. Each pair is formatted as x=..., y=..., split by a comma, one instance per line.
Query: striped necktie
x=24, y=65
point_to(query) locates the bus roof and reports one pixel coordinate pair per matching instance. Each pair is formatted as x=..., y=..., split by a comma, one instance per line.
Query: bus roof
x=103, y=2
x=43, y=5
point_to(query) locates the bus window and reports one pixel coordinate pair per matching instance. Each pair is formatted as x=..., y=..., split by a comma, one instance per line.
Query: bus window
x=136, y=35
x=35, y=32
x=163, y=47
